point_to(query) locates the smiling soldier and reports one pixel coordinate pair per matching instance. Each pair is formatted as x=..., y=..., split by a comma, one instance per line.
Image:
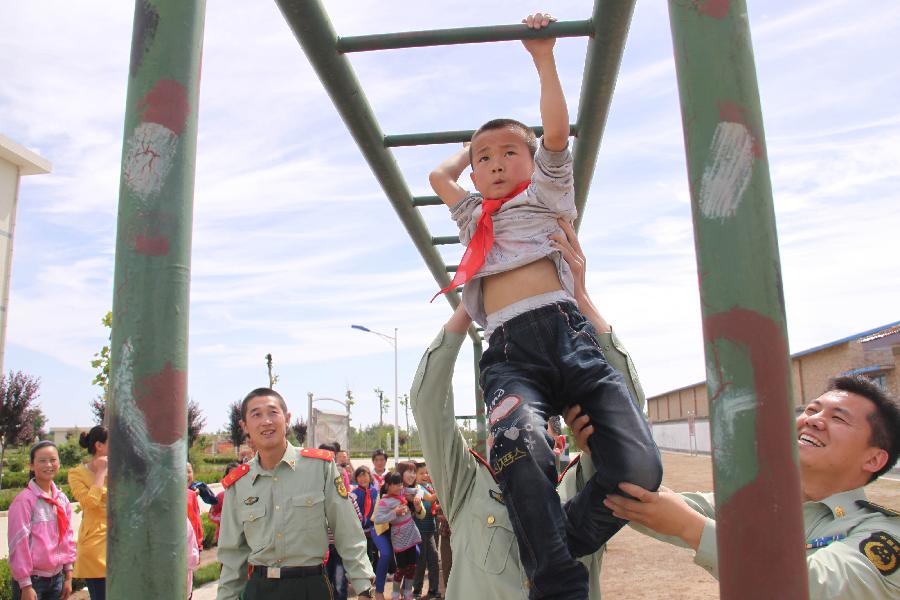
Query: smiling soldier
x=846, y=438
x=273, y=538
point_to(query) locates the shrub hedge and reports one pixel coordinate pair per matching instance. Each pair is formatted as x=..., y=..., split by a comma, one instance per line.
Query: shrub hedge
x=209, y=531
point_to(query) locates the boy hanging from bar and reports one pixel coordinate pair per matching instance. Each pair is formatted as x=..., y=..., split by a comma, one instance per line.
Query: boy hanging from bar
x=543, y=354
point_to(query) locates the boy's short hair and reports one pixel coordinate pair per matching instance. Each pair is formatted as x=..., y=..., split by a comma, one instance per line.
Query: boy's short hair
x=420, y=465
x=530, y=138
x=379, y=452
x=259, y=393
x=884, y=420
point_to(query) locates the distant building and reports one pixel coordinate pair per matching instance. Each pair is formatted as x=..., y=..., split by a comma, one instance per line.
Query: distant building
x=60, y=435
x=874, y=353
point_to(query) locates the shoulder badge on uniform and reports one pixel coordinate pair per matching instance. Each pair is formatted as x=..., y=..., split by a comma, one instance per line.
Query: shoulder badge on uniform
x=882, y=550
x=234, y=475
x=888, y=512
x=316, y=453
x=481, y=460
x=572, y=462
x=341, y=488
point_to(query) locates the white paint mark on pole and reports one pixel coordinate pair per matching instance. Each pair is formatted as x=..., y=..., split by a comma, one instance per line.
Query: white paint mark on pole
x=148, y=158
x=727, y=175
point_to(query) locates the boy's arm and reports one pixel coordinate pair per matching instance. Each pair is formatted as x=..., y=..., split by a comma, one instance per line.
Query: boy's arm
x=443, y=178
x=554, y=113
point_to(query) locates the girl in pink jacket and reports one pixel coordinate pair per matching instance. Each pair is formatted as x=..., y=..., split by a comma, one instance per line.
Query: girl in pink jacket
x=41, y=543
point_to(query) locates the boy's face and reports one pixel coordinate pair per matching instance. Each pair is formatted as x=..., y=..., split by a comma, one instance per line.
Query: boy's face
x=422, y=475
x=500, y=161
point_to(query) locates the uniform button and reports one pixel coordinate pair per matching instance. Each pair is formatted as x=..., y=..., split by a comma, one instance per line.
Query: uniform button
x=839, y=511
x=274, y=479
x=309, y=501
x=280, y=535
x=277, y=507
x=491, y=520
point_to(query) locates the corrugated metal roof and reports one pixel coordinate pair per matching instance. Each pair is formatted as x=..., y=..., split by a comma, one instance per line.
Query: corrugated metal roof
x=864, y=336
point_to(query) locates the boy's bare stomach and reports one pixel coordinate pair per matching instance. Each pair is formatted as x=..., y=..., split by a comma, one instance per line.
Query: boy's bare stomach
x=506, y=288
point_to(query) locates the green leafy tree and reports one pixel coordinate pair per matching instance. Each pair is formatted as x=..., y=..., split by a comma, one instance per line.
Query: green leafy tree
x=101, y=379
x=195, y=421
x=18, y=394
x=235, y=432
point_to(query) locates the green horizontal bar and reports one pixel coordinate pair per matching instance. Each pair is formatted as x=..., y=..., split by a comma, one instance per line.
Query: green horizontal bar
x=443, y=240
x=461, y=35
x=452, y=268
x=427, y=201
x=448, y=137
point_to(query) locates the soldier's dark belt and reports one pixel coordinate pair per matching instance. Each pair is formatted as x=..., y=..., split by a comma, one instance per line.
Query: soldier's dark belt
x=260, y=572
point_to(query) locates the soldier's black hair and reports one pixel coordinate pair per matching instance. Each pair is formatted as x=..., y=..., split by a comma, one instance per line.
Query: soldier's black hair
x=258, y=393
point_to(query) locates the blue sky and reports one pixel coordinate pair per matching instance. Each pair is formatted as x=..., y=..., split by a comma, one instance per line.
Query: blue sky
x=294, y=239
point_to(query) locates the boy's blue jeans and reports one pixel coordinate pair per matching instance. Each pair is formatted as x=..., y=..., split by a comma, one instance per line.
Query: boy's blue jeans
x=537, y=364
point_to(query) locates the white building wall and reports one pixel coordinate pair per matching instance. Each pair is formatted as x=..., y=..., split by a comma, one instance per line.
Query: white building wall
x=674, y=435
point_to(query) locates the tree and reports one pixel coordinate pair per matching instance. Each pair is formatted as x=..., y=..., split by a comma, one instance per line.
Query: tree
x=101, y=379
x=235, y=431
x=350, y=400
x=18, y=394
x=195, y=421
x=300, y=428
x=404, y=402
x=383, y=404
x=273, y=378
x=36, y=420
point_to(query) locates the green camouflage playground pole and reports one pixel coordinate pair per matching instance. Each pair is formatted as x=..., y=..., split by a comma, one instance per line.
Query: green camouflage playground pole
x=147, y=417
x=759, y=516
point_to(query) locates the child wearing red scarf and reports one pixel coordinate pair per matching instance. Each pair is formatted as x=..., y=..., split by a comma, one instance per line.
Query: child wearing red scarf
x=543, y=354
x=41, y=542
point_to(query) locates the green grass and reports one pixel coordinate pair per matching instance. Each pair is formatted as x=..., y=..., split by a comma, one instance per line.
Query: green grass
x=204, y=575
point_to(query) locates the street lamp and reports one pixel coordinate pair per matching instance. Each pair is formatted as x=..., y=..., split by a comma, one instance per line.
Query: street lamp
x=392, y=341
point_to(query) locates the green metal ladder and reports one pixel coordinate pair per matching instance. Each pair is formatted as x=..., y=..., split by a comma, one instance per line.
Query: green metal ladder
x=607, y=30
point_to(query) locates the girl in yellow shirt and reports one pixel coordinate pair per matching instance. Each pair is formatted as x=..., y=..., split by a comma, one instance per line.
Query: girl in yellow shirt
x=88, y=483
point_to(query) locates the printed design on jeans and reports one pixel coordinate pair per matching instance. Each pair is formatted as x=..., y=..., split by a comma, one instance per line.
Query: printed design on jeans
x=504, y=408
x=512, y=433
x=529, y=442
x=504, y=461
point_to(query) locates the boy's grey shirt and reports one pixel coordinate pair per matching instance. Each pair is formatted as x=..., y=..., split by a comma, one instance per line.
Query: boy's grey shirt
x=486, y=557
x=522, y=226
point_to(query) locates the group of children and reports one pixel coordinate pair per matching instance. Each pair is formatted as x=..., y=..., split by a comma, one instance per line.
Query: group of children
x=398, y=510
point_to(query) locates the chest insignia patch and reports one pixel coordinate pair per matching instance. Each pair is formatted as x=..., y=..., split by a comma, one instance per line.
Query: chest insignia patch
x=251, y=500
x=882, y=550
x=497, y=496
x=341, y=488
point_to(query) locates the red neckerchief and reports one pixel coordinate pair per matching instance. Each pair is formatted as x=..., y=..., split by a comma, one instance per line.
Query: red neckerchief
x=368, y=501
x=482, y=241
x=62, y=519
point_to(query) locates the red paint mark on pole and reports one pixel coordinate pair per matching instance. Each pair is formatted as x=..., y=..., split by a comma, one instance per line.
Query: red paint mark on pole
x=773, y=496
x=151, y=245
x=166, y=104
x=717, y=9
x=161, y=397
x=731, y=112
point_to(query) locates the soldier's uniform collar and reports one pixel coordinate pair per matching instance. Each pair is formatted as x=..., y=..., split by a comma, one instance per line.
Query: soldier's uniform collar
x=289, y=458
x=843, y=504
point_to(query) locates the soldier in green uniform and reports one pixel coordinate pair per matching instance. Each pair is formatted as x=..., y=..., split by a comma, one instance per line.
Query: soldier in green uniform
x=486, y=561
x=846, y=438
x=273, y=540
